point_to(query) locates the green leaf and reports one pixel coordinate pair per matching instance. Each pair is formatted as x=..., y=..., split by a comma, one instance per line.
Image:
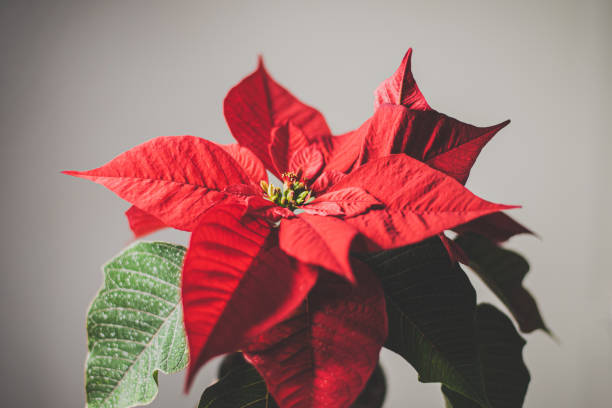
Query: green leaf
x=500, y=348
x=503, y=272
x=431, y=309
x=241, y=386
x=135, y=326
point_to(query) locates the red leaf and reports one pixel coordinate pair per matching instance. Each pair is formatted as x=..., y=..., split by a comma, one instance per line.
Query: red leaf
x=309, y=159
x=324, y=354
x=242, y=192
x=258, y=104
x=252, y=166
x=349, y=201
x=142, y=223
x=285, y=141
x=319, y=240
x=498, y=227
x=341, y=152
x=174, y=179
x=235, y=285
x=440, y=141
x=326, y=180
x=401, y=88
x=420, y=201
x=265, y=208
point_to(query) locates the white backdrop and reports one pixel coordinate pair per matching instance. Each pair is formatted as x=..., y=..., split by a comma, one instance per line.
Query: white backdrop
x=85, y=80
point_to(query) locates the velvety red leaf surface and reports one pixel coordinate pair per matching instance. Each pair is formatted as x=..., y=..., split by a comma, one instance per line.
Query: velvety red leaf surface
x=442, y=142
x=173, y=178
x=309, y=159
x=324, y=355
x=142, y=223
x=420, y=201
x=285, y=140
x=327, y=179
x=319, y=240
x=252, y=166
x=349, y=201
x=258, y=104
x=341, y=152
x=401, y=88
x=236, y=283
x=498, y=227
x=267, y=209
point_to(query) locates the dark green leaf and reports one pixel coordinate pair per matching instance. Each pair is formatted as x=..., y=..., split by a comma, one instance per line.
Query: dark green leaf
x=135, y=326
x=240, y=385
x=503, y=271
x=500, y=348
x=431, y=307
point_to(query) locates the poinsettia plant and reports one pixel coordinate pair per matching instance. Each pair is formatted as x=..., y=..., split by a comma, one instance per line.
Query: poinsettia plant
x=302, y=281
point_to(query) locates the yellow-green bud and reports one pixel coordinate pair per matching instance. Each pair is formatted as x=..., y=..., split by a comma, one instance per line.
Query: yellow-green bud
x=302, y=197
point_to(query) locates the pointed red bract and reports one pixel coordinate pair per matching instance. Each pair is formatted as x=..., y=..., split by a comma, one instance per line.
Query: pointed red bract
x=401, y=88
x=251, y=165
x=319, y=240
x=440, y=141
x=236, y=283
x=173, y=178
x=258, y=104
x=498, y=227
x=324, y=354
x=419, y=202
x=349, y=201
x=142, y=223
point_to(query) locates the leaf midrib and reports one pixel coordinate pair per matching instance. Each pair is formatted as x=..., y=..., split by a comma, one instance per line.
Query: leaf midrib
x=139, y=355
x=433, y=346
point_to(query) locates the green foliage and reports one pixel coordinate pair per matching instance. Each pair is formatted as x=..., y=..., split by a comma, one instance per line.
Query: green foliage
x=431, y=306
x=503, y=272
x=500, y=349
x=435, y=325
x=240, y=385
x=135, y=326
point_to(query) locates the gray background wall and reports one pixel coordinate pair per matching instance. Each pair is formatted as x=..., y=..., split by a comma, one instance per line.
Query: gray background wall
x=82, y=81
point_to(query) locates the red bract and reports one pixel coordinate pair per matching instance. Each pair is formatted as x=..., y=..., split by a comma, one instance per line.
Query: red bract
x=270, y=268
x=403, y=123
x=442, y=142
x=304, y=358
x=401, y=88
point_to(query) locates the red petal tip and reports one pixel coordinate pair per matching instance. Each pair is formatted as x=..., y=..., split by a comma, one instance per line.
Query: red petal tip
x=260, y=62
x=408, y=55
x=503, y=124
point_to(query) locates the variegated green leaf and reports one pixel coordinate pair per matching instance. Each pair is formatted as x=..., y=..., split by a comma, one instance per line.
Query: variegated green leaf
x=135, y=326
